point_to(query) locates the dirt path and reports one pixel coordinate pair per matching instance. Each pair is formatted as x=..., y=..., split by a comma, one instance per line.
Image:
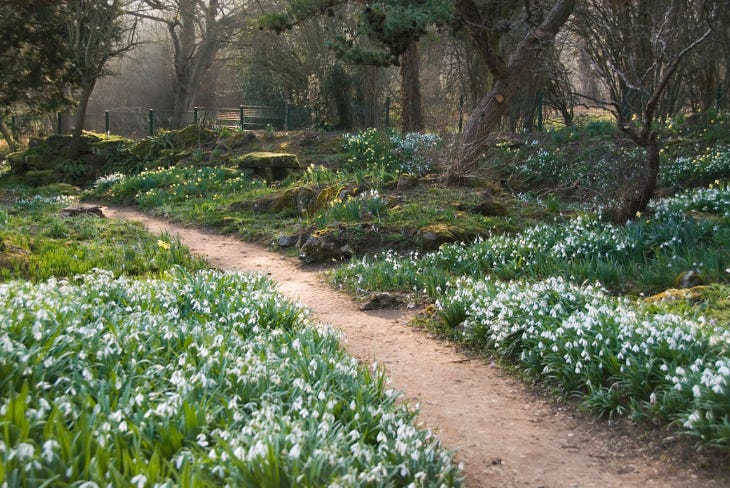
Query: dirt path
x=505, y=435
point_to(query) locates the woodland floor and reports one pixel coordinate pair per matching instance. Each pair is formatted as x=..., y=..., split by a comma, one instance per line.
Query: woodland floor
x=505, y=433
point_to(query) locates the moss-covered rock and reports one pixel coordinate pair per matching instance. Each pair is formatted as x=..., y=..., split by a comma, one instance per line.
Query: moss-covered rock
x=39, y=177
x=694, y=293
x=192, y=135
x=300, y=198
x=16, y=160
x=239, y=139
x=434, y=235
x=257, y=160
x=269, y=165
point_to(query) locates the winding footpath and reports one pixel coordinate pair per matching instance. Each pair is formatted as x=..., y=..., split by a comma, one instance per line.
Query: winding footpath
x=505, y=435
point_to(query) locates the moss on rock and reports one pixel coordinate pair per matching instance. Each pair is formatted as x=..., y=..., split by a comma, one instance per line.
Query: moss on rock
x=434, y=235
x=257, y=160
x=192, y=135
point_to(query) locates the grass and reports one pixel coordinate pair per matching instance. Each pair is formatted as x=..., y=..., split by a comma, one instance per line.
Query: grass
x=38, y=243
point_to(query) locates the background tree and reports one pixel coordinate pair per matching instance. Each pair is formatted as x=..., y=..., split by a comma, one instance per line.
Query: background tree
x=96, y=32
x=387, y=35
x=509, y=76
x=197, y=29
x=33, y=58
x=636, y=48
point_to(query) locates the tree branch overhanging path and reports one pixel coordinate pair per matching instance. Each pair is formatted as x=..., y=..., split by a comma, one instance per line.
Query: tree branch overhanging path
x=505, y=435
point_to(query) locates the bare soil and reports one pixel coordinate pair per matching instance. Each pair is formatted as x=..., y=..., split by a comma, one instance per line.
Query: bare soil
x=505, y=433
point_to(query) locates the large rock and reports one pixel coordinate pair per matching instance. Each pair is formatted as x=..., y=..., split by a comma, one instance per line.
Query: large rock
x=688, y=279
x=324, y=247
x=381, y=300
x=192, y=135
x=434, y=235
x=269, y=165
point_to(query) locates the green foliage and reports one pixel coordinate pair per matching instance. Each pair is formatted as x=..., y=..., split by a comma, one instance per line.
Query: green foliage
x=73, y=170
x=201, y=378
x=395, y=153
x=368, y=205
x=39, y=243
x=385, y=27
x=618, y=356
x=645, y=256
x=684, y=171
x=369, y=149
x=154, y=188
x=33, y=56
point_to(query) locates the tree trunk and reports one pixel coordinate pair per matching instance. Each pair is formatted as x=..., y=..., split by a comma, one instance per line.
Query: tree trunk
x=488, y=113
x=638, y=201
x=411, y=110
x=182, y=102
x=75, y=145
x=8, y=136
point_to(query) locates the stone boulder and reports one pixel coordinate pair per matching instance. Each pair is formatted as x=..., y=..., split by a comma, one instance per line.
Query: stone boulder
x=434, y=235
x=324, y=247
x=381, y=300
x=269, y=165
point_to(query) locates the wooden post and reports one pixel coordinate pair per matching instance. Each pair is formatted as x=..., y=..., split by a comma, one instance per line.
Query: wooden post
x=152, y=123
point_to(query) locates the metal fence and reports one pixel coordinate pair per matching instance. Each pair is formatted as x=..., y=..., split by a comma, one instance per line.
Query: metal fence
x=141, y=122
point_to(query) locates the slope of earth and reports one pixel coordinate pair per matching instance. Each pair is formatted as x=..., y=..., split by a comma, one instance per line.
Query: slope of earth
x=505, y=435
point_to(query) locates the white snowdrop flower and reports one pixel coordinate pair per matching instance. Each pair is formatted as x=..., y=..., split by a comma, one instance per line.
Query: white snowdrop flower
x=295, y=451
x=139, y=481
x=239, y=452
x=47, y=452
x=696, y=391
x=202, y=440
x=23, y=452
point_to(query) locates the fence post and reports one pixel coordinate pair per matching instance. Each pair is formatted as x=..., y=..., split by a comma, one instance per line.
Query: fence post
x=106, y=122
x=539, y=112
x=461, y=112
x=152, y=123
x=59, y=123
x=387, y=112
x=195, y=115
x=240, y=116
x=13, y=127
